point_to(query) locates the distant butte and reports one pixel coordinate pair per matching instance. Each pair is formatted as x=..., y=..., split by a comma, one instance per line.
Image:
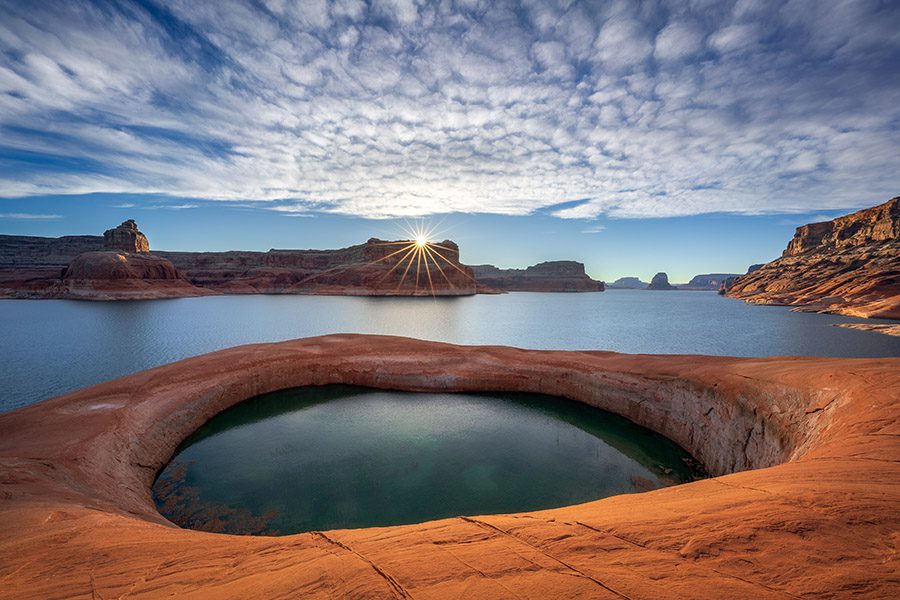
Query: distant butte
x=848, y=266
x=120, y=266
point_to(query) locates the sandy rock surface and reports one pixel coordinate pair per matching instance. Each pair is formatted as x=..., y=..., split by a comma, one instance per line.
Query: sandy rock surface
x=804, y=451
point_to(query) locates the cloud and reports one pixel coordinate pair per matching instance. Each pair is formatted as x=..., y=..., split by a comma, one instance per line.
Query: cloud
x=405, y=108
x=29, y=216
x=594, y=229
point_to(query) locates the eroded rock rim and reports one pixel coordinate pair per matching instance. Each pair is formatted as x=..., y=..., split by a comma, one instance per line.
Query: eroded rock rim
x=84, y=463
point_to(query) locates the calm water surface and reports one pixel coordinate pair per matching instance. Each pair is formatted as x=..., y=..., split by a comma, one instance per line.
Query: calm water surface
x=343, y=457
x=48, y=347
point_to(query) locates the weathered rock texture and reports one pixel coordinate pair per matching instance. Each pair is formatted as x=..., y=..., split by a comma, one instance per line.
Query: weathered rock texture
x=849, y=266
x=126, y=237
x=553, y=276
x=660, y=281
x=628, y=283
x=804, y=503
x=116, y=266
x=376, y=268
x=34, y=267
x=123, y=276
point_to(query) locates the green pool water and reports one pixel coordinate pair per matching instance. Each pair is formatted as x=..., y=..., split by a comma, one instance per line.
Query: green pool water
x=330, y=457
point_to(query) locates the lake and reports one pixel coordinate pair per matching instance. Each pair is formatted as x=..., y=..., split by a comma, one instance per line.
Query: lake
x=337, y=457
x=49, y=347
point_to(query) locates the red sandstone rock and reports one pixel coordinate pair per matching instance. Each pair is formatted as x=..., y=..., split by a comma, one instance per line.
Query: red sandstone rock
x=553, y=276
x=126, y=237
x=804, y=502
x=124, y=276
x=376, y=268
x=849, y=266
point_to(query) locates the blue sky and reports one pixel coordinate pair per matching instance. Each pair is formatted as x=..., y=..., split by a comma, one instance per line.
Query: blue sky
x=635, y=136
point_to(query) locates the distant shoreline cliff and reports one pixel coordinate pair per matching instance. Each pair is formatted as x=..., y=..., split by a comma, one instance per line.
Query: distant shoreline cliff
x=848, y=266
x=120, y=266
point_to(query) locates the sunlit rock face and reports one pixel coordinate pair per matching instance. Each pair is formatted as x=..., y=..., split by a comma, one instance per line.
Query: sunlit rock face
x=551, y=276
x=126, y=237
x=847, y=266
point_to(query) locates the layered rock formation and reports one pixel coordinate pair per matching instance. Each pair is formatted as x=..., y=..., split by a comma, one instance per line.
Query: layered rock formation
x=553, y=276
x=72, y=267
x=628, y=283
x=849, y=266
x=803, y=502
x=126, y=237
x=708, y=281
x=660, y=281
x=116, y=266
x=376, y=268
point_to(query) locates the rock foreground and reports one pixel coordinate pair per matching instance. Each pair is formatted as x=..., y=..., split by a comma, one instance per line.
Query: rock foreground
x=848, y=266
x=119, y=266
x=803, y=502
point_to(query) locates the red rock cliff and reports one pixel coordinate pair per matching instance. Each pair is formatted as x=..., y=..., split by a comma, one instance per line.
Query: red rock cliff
x=850, y=266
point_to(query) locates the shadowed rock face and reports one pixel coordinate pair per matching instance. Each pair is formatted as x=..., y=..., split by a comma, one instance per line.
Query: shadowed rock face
x=552, y=276
x=628, y=283
x=803, y=502
x=376, y=268
x=710, y=281
x=850, y=266
x=660, y=281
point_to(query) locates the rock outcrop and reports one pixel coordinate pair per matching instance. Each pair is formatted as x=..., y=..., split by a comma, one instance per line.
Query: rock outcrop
x=803, y=502
x=849, y=266
x=116, y=266
x=660, y=281
x=553, y=276
x=73, y=267
x=628, y=283
x=126, y=237
x=376, y=268
x=709, y=281
x=114, y=275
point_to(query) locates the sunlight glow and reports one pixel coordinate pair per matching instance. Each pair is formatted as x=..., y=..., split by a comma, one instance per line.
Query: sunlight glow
x=420, y=252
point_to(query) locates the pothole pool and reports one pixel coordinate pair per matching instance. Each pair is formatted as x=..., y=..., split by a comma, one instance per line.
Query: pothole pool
x=319, y=458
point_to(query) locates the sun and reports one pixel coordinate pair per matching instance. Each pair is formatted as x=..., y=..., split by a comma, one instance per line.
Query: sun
x=421, y=241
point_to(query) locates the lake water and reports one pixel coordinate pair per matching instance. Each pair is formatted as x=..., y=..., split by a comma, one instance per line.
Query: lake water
x=342, y=457
x=49, y=347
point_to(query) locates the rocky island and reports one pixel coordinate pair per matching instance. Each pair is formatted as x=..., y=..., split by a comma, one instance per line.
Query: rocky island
x=660, y=281
x=848, y=266
x=120, y=266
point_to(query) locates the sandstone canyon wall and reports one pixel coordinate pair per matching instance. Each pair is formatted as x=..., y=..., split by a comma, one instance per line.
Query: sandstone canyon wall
x=849, y=266
x=115, y=266
x=553, y=276
x=119, y=265
x=376, y=268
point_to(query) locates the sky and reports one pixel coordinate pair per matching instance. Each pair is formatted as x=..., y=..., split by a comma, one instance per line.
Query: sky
x=678, y=136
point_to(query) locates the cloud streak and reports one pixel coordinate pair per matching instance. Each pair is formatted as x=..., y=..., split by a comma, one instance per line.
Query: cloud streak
x=407, y=108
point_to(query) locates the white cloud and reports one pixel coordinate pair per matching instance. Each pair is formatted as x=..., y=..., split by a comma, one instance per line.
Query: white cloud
x=29, y=216
x=400, y=108
x=678, y=40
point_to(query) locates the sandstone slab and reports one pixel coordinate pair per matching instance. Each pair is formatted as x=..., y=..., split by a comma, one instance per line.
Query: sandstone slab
x=803, y=502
